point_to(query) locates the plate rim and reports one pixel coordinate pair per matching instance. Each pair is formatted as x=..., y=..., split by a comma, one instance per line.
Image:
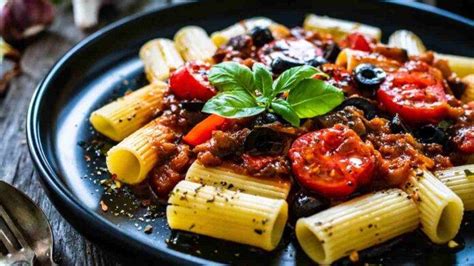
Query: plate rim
x=60, y=195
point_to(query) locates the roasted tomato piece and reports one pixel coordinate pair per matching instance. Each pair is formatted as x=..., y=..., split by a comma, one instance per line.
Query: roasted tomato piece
x=358, y=41
x=414, y=92
x=464, y=139
x=202, y=132
x=333, y=161
x=191, y=82
x=281, y=55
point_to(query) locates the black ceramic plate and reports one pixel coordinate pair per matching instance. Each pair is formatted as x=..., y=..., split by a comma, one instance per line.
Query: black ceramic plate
x=106, y=64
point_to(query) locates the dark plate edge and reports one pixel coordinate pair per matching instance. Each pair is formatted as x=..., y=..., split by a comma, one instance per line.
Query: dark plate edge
x=67, y=204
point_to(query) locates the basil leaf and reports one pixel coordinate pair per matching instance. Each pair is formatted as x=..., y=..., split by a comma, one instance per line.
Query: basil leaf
x=232, y=76
x=263, y=79
x=284, y=109
x=313, y=97
x=291, y=77
x=233, y=104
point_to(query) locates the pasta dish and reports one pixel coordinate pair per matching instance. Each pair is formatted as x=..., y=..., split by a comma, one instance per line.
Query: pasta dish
x=350, y=141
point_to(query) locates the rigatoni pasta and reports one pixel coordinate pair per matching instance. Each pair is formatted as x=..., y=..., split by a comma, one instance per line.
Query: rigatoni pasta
x=132, y=159
x=194, y=44
x=460, y=180
x=339, y=28
x=226, y=214
x=160, y=57
x=357, y=224
x=441, y=210
x=125, y=115
x=270, y=187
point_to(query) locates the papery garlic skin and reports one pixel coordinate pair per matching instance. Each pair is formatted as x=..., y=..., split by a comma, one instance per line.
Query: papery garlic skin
x=22, y=19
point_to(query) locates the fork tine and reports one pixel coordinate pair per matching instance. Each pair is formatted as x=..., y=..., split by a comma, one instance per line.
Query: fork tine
x=11, y=225
x=7, y=243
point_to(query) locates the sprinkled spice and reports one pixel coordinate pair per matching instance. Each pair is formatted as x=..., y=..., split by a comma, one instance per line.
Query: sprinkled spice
x=468, y=172
x=211, y=200
x=354, y=256
x=148, y=229
x=192, y=226
x=452, y=244
x=258, y=231
x=104, y=206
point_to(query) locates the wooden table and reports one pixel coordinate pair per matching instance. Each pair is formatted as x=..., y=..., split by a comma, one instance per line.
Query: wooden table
x=16, y=167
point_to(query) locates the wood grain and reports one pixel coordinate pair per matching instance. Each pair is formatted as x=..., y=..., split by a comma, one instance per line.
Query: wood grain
x=16, y=167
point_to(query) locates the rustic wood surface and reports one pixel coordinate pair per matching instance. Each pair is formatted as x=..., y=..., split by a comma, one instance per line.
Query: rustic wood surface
x=16, y=167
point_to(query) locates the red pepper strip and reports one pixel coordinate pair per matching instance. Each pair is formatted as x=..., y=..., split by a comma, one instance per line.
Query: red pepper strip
x=202, y=132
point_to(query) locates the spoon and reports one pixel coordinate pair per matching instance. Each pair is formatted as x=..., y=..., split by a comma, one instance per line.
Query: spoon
x=25, y=234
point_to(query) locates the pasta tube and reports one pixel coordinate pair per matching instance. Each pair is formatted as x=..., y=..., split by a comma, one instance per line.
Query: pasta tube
x=461, y=65
x=125, y=115
x=461, y=181
x=409, y=41
x=350, y=59
x=468, y=94
x=194, y=44
x=339, y=28
x=160, y=57
x=224, y=178
x=441, y=210
x=220, y=38
x=132, y=159
x=356, y=224
x=228, y=215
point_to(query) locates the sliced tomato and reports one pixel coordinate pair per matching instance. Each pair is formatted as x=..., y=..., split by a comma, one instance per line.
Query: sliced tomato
x=202, y=132
x=333, y=161
x=415, y=93
x=191, y=82
x=358, y=41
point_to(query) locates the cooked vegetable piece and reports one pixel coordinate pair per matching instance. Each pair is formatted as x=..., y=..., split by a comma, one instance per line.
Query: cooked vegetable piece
x=415, y=92
x=306, y=204
x=332, y=161
x=281, y=55
x=191, y=82
x=357, y=41
x=202, y=132
x=430, y=134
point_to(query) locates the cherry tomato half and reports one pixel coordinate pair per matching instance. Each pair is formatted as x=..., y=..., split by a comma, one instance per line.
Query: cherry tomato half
x=415, y=93
x=464, y=139
x=333, y=161
x=190, y=82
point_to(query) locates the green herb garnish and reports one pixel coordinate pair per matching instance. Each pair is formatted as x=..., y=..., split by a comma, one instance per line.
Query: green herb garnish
x=294, y=95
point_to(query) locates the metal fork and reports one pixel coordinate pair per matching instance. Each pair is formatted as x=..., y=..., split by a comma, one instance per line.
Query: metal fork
x=24, y=255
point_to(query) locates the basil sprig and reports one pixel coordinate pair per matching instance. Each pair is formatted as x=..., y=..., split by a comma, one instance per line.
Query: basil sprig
x=294, y=95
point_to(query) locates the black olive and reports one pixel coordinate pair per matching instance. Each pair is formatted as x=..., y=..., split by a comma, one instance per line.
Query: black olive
x=239, y=42
x=283, y=62
x=331, y=52
x=192, y=106
x=317, y=61
x=369, y=76
x=266, y=118
x=261, y=36
x=264, y=141
x=398, y=126
x=305, y=205
x=370, y=111
x=431, y=134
